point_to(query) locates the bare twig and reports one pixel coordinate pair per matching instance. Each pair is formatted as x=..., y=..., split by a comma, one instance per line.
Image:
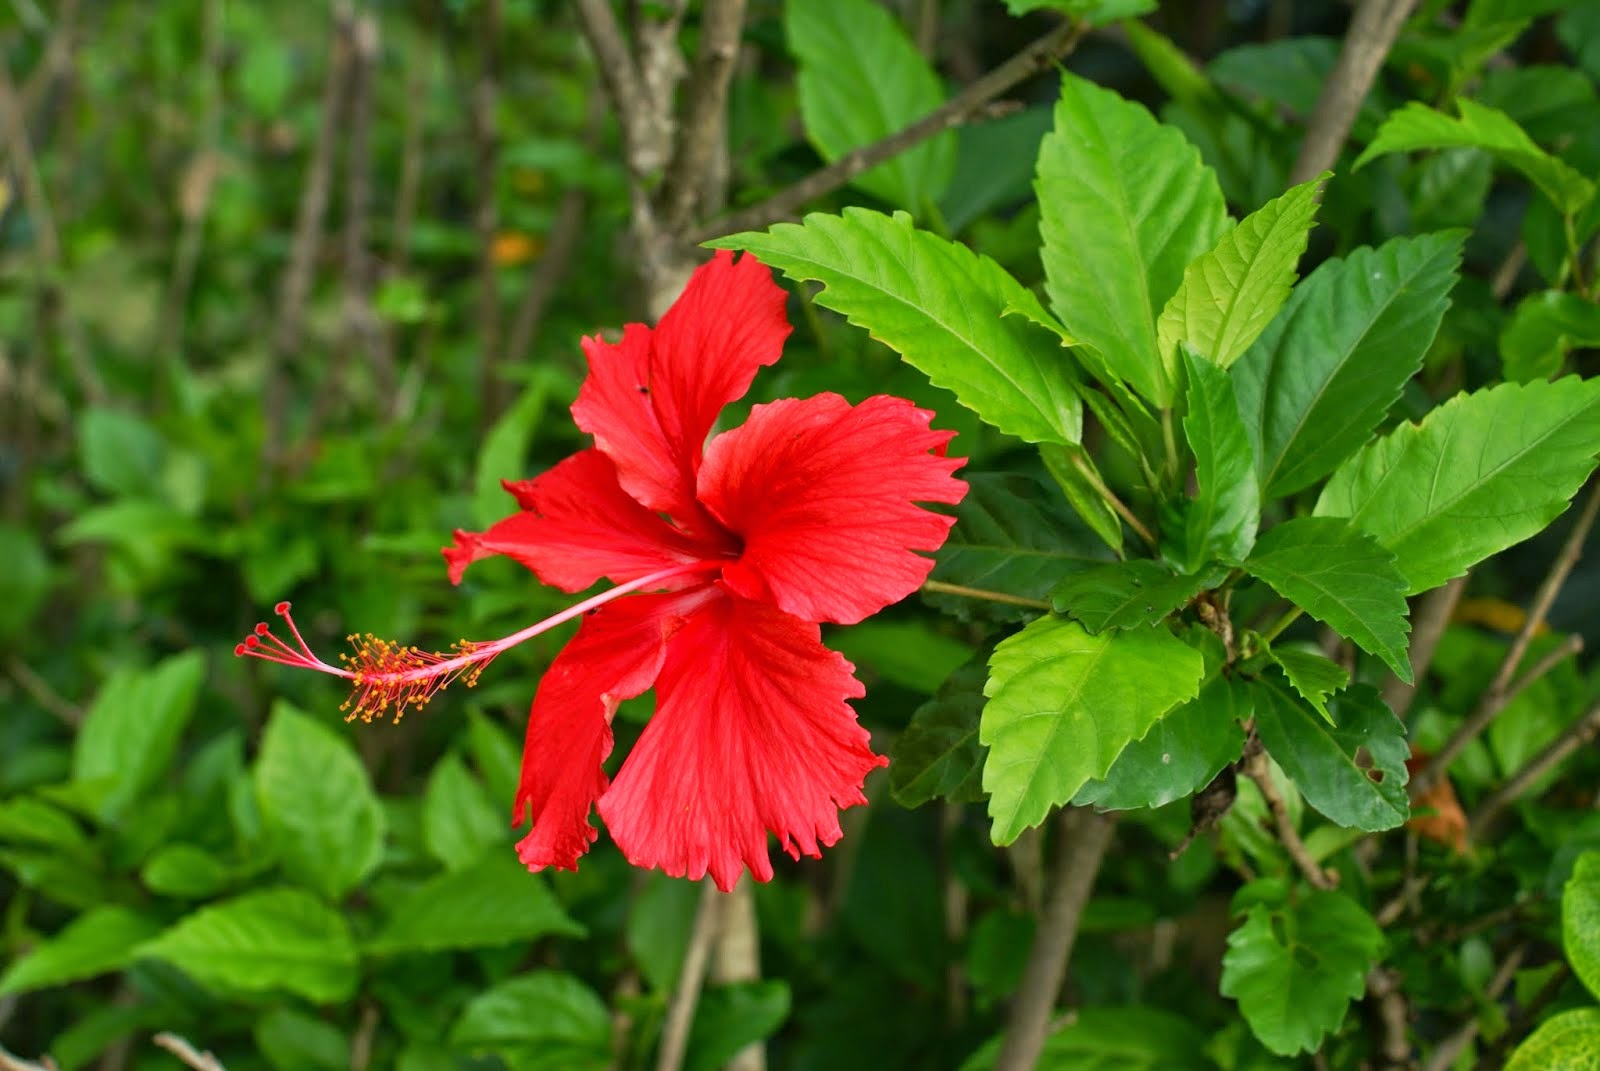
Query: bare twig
x=1429, y=620
x=486, y=139
x=705, y=111
x=10, y=1061
x=1372, y=33
x=1494, y=1054
x=191, y=1057
x=1552, y=755
x=1083, y=839
x=781, y=205
x=361, y=1044
x=1501, y=689
x=941, y=588
x=737, y=958
x=1383, y=986
x=680, y=1011
x=1257, y=770
x=40, y=691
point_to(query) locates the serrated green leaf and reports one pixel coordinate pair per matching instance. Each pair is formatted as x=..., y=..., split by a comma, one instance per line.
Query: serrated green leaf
x=1221, y=520
x=1183, y=752
x=1012, y=535
x=1566, y=1042
x=939, y=754
x=261, y=941
x=545, y=1008
x=493, y=902
x=1580, y=921
x=97, y=942
x=1535, y=341
x=1074, y=472
x=1062, y=706
x=1130, y=594
x=940, y=306
x=130, y=732
x=1324, y=373
x=731, y=1017
x=1294, y=967
x=1481, y=472
x=1232, y=291
x=1417, y=126
x=861, y=79
x=1125, y=205
x=459, y=824
x=1342, y=577
x=1314, y=675
x=1353, y=769
x=317, y=804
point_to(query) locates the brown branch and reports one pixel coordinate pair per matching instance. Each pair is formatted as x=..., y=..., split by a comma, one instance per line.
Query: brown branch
x=40, y=691
x=1383, y=986
x=1082, y=839
x=419, y=67
x=1429, y=620
x=1257, y=770
x=361, y=1044
x=1372, y=33
x=737, y=958
x=721, y=25
x=620, y=77
x=1552, y=755
x=485, y=136
x=1501, y=689
x=362, y=330
x=691, y=976
x=1031, y=60
x=10, y=1061
x=191, y=1057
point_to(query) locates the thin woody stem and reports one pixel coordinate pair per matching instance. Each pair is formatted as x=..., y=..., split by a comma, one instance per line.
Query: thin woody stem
x=1113, y=501
x=941, y=588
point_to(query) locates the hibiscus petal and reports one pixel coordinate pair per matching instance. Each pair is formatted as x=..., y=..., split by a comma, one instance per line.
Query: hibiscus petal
x=751, y=734
x=824, y=496
x=615, y=656
x=650, y=401
x=576, y=526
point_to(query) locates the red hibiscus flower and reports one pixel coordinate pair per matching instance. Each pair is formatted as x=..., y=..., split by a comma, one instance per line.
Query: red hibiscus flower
x=807, y=513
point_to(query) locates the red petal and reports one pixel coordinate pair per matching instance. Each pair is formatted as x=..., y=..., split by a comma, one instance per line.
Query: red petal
x=615, y=656
x=751, y=734
x=824, y=496
x=650, y=401
x=576, y=526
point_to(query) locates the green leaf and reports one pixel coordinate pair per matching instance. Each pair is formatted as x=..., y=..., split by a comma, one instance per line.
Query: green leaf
x=1072, y=468
x=262, y=941
x=97, y=942
x=24, y=581
x=1569, y=1041
x=1342, y=577
x=548, y=1019
x=1481, y=472
x=121, y=453
x=1094, y=12
x=1135, y=1038
x=939, y=754
x=130, y=732
x=1127, y=595
x=1012, y=535
x=1125, y=205
x=1295, y=967
x=504, y=452
x=1580, y=921
x=1221, y=520
x=940, y=306
x=1062, y=706
x=1417, y=126
x=459, y=824
x=1534, y=343
x=660, y=921
x=491, y=903
x=731, y=1017
x=495, y=754
x=291, y=1040
x=1185, y=750
x=861, y=79
x=1353, y=769
x=317, y=803
x=1314, y=675
x=912, y=654
x=1325, y=372
x=1232, y=291
x=186, y=872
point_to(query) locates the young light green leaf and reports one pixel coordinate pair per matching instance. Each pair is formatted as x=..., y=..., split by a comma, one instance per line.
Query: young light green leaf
x=940, y=306
x=1534, y=344
x=1580, y=921
x=1324, y=373
x=1568, y=1041
x=1012, y=535
x=317, y=803
x=97, y=942
x=1342, y=577
x=939, y=753
x=262, y=941
x=1481, y=472
x=1417, y=126
x=1221, y=520
x=186, y=872
x=1352, y=770
x=1183, y=752
x=130, y=732
x=1094, y=12
x=1232, y=291
x=1130, y=594
x=1294, y=967
x=459, y=824
x=1062, y=706
x=493, y=902
x=1125, y=205
x=861, y=79
x=1314, y=675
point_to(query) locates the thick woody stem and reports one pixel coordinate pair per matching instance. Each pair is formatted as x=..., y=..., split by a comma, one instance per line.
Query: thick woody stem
x=1372, y=33
x=737, y=958
x=705, y=111
x=691, y=976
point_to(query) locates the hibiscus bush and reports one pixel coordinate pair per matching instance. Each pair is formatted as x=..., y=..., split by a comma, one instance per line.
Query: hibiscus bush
x=1055, y=533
